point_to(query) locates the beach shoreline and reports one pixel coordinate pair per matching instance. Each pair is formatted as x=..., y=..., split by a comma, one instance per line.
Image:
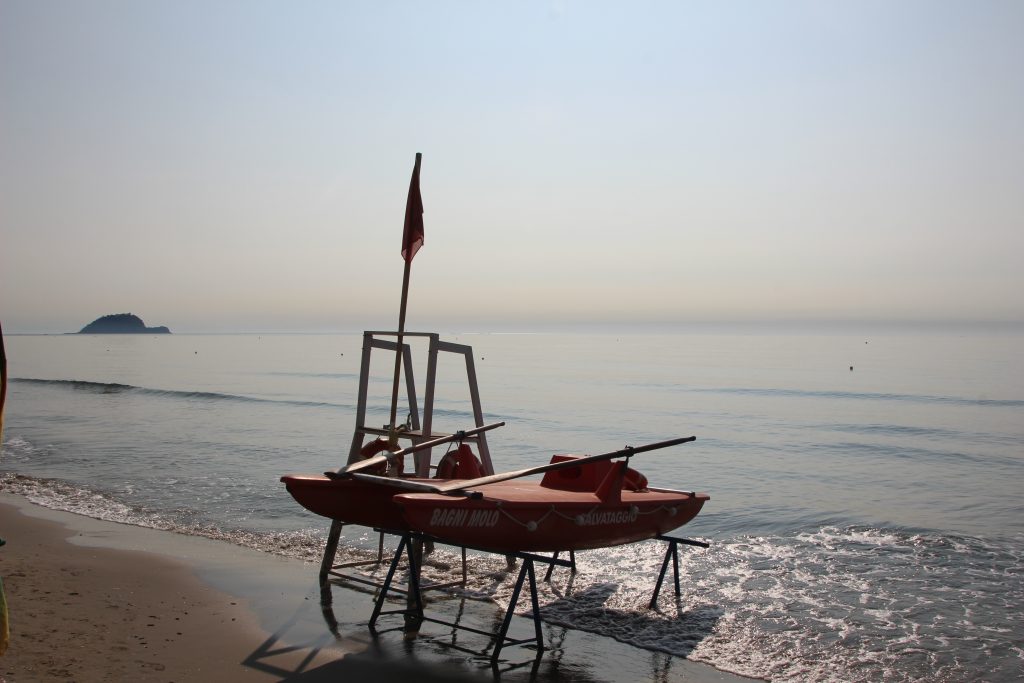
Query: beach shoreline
x=98, y=601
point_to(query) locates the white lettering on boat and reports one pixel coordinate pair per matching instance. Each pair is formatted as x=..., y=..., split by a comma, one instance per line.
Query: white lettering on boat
x=483, y=518
x=448, y=517
x=608, y=517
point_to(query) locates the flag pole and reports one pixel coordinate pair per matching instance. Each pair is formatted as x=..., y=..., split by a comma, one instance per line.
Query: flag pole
x=393, y=432
x=412, y=239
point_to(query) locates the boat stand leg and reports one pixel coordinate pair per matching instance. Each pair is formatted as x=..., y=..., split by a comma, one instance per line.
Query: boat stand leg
x=673, y=554
x=507, y=621
x=379, y=602
x=526, y=572
x=675, y=566
x=330, y=550
x=413, y=599
x=536, y=610
x=551, y=565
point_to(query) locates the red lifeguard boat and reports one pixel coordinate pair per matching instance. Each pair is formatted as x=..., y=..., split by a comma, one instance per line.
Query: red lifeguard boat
x=581, y=503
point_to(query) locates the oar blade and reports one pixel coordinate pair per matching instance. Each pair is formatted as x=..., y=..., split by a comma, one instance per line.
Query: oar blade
x=372, y=461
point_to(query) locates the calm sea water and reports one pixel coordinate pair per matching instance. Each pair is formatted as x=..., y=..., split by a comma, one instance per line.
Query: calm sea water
x=866, y=523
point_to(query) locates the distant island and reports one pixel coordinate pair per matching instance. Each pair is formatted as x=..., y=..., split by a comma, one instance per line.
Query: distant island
x=121, y=323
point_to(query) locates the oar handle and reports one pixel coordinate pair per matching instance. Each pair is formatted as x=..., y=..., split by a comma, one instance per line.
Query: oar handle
x=629, y=450
x=621, y=453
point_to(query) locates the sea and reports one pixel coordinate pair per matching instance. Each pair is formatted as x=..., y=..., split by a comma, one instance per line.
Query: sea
x=866, y=520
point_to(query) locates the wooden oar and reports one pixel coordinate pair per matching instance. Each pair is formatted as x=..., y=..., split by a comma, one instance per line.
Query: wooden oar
x=390, y=455
x=462, y=485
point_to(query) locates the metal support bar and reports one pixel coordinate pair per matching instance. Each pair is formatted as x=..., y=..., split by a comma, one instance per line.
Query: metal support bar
x=672, y=552
x=551, y=565
x=501, y=637
x=474, y=395
x=410, y=381
x=414, y=610
x=414, y=600
x=327, y=563
x=329, y=570
x=329, y=573
x=423, y=459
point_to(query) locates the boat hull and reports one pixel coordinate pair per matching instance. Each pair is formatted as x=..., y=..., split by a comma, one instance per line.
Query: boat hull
x=524, y=516
x=347, y=500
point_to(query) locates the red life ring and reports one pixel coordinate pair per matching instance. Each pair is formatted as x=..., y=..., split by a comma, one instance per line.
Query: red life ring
x=375, y=447
x=461, y=463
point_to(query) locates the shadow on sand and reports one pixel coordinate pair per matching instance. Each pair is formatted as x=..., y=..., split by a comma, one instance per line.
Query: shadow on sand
x=593, y=645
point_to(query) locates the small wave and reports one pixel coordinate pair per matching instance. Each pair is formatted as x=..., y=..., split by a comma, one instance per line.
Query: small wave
x=931, y=432
x=895, y=430
x=915, y=454
x=55, y=494
x=114, y=388
x=81, y=385
x=861, y=396
x=60, y=495
x=314, y=375
x=19, y=447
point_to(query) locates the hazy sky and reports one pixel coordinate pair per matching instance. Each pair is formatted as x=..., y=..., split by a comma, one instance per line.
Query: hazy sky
x=244, y=165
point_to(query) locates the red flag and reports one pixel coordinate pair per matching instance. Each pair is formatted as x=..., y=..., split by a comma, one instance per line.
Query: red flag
x=412, y=239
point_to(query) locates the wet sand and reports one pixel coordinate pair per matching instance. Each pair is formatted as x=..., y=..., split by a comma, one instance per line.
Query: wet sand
x=99, y=601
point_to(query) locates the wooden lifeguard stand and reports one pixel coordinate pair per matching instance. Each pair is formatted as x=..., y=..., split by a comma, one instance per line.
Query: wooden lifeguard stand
x=420, y=424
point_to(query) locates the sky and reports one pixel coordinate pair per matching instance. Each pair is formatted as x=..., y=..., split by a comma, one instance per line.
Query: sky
x=243, y=166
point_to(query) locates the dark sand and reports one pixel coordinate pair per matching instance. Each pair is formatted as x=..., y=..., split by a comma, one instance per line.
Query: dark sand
x=99, y=601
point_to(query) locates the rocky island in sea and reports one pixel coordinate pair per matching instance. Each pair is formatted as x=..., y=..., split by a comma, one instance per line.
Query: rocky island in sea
x=121, y=323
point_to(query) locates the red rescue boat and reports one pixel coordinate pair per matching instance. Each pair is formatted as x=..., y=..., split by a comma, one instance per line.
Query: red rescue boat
x=581, y=502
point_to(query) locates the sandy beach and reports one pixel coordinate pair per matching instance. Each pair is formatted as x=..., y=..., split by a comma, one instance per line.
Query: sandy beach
x=81, y=613
x=99, y=601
